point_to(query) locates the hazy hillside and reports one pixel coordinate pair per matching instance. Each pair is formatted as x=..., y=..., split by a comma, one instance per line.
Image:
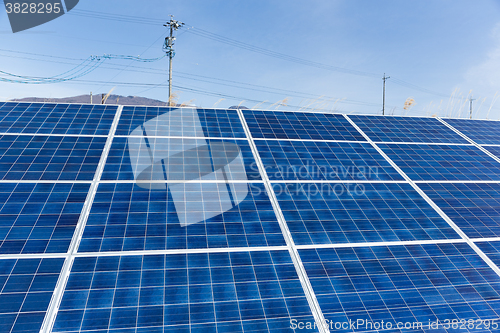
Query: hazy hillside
x=112, y=99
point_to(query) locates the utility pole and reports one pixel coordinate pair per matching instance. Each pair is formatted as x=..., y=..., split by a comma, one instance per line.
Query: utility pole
x=168, y=48
x=471, y=99
x=383, y=97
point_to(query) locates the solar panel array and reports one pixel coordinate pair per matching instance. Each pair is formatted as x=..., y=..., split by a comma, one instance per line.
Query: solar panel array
x=149, y=219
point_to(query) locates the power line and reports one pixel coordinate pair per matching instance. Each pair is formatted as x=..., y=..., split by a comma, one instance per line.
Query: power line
x=209, y=35
x=84, y=68
x=195, y=77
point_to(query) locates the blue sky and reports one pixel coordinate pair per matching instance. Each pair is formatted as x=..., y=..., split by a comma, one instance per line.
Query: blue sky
x=437, y=52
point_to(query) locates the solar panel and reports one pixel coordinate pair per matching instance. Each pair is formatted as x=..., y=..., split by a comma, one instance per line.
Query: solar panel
x=26, y=287
x=357, y=213
x=26, y=157
x=441, y=162
x=300, y=125
x=491, y=249
x=412, y=285
x=495, y=150
x=175, y=164
x=162, y=220
x=303, y=160
x=216, y=292
x=125, y=217
x=406, y=129
x=46, y=118
x=39, y=218
x=481, y=131
x=215, y=123
x=475, y=208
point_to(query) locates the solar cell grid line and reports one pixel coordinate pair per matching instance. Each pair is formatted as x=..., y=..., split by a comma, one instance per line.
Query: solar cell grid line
x=491, y=248
x=475, y=208
x=49, y=118
x=299, y=125
x=56, y=135
x=294, y=160
x=26, y=288
x=26, y=157
x=480, y=131
x=299, y=267
x=178, y=155
x=39, y=217
x=389, y=243
x=359, y=213
x=257, y=291
x=126, y=217
x=404, y=284
x=483, y=149
x=49, y=319
x=433, y=204
x=437, y=162
x=495, y=150
x=406, y=129
x=214, y=122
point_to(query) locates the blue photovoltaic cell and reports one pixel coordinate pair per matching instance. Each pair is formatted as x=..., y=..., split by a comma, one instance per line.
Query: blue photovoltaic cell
x=492, y=250
x=418, y=283
x=495, y=150
x=475, y=208
x=45, y=118
x=39, y=218
x=300, y=125
x=126, y=217
x=218, y=292
x=215, y=123
x=27, y=157
x=406, y=129
x=357, y=213
x=182, y=167
x=438, y=162
x=26, y=287
x=481, y=131
x=296, y=160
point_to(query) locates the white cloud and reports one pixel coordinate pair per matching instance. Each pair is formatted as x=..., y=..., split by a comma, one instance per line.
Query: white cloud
x=485, y=77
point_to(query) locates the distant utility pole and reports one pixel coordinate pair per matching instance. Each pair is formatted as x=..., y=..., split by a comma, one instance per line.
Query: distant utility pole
x=383, y=97
x=168, y=47
x=471, y=99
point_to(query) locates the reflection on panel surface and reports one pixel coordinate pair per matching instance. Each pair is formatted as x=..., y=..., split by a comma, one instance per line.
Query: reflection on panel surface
x=26, y=157
x=406, y=284
x=295, y=160
x=219, y=292
x=356, y=213
x=181, y=122
x=26, y=287
x=47, y=118
x=39, y=218
x=438, y=162
x=180, y=159
x=300, y=125
x=127, y=217
x=406, y=129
